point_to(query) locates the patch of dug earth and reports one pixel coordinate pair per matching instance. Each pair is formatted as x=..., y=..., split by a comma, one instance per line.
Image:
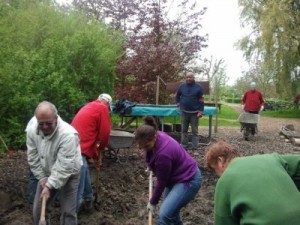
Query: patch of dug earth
x=123, y=191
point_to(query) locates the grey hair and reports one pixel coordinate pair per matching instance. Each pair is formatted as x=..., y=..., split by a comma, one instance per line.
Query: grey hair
x=47, y=104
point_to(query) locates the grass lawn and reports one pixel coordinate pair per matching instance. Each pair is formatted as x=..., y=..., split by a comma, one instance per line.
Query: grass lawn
x=292, y=113
x=227, y=117
x=227, y=112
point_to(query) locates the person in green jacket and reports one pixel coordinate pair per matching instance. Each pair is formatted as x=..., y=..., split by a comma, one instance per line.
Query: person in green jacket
x=256, y=190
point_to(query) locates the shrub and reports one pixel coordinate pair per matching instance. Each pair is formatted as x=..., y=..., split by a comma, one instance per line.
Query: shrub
x=47, y=54
x=233, y=100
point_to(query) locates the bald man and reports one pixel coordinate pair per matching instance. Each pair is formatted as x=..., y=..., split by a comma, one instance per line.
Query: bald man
x=54, y=158
x=190, y=101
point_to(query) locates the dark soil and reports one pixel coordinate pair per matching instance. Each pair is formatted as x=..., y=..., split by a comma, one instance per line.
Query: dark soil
x=123, y=191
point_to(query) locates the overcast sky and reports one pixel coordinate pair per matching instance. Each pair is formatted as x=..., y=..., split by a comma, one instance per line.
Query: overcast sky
x=221, y=23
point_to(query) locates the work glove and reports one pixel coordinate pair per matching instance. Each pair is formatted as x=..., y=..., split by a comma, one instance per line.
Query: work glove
x=150, y=207
x=262, y=108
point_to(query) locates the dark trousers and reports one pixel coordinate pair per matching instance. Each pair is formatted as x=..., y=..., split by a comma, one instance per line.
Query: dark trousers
x=68, y=202
x=186, y=120
x=31, y=188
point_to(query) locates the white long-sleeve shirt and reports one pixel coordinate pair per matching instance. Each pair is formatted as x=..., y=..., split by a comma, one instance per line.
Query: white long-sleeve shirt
x=56, y=156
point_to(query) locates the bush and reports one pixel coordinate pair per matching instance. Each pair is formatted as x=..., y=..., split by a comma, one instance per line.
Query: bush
x=49, y=55
x=233, y=100
x=278, y=105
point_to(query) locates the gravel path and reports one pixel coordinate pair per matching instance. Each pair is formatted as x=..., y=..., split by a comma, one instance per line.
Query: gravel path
x=267, y=139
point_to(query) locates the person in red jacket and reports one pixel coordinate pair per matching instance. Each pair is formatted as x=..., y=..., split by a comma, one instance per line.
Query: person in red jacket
x=93, y=124
x=252, y=100
x=296, y=101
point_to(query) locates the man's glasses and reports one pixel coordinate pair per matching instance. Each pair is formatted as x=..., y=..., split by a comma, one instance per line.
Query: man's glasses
x=47, y=124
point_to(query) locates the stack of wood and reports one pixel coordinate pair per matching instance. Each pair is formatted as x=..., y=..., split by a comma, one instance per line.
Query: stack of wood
x=288, y=133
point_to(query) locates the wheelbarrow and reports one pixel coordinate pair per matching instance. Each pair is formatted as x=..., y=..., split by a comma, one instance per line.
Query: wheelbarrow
x=118, y=140
x=248, y=123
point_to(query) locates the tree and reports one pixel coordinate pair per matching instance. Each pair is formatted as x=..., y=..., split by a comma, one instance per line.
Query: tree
x=214, y=71
x=264, y=82
x=47, y=54
x=156, y=45
x=275, y=41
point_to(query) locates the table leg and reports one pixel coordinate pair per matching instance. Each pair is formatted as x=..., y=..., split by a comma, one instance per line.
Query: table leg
x=127, y=124
x=209, y=126
x=162, y=123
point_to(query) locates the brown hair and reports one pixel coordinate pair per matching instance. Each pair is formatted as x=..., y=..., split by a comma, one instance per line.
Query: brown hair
x=147, y=131
x=220, y=149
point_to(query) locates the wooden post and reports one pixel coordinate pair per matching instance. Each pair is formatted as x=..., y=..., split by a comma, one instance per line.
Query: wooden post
x=216, y=101
x=157, y=90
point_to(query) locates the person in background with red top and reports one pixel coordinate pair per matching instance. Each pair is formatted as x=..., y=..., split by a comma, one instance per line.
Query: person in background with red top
x=93, y=125
x=253, y=101
x=296, y=101
x=178, y=176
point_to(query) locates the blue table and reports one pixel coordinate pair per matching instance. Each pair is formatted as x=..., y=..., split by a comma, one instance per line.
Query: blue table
x=163, y=111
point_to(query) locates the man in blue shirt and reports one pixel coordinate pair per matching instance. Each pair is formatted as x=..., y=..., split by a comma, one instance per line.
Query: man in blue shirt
x=190, y=101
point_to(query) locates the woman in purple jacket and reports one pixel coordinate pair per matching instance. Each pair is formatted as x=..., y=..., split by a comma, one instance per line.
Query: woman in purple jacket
x=178, y=175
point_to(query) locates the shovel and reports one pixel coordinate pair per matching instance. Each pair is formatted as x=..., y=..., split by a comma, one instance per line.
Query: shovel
x=150, y=195
x=43, y=209
x=98, y=164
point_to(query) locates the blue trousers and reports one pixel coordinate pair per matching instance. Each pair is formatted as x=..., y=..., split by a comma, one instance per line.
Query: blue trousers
x=85, y=189
x=176, y=198
x=186, y=120
x=31, y=188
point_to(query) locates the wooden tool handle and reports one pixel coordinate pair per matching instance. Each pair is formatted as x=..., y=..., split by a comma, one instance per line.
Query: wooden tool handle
x=150, y=218
x=43, y=209
x=150, y=195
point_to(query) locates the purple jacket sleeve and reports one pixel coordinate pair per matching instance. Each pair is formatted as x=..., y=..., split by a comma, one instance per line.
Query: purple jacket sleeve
x=163, y=172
